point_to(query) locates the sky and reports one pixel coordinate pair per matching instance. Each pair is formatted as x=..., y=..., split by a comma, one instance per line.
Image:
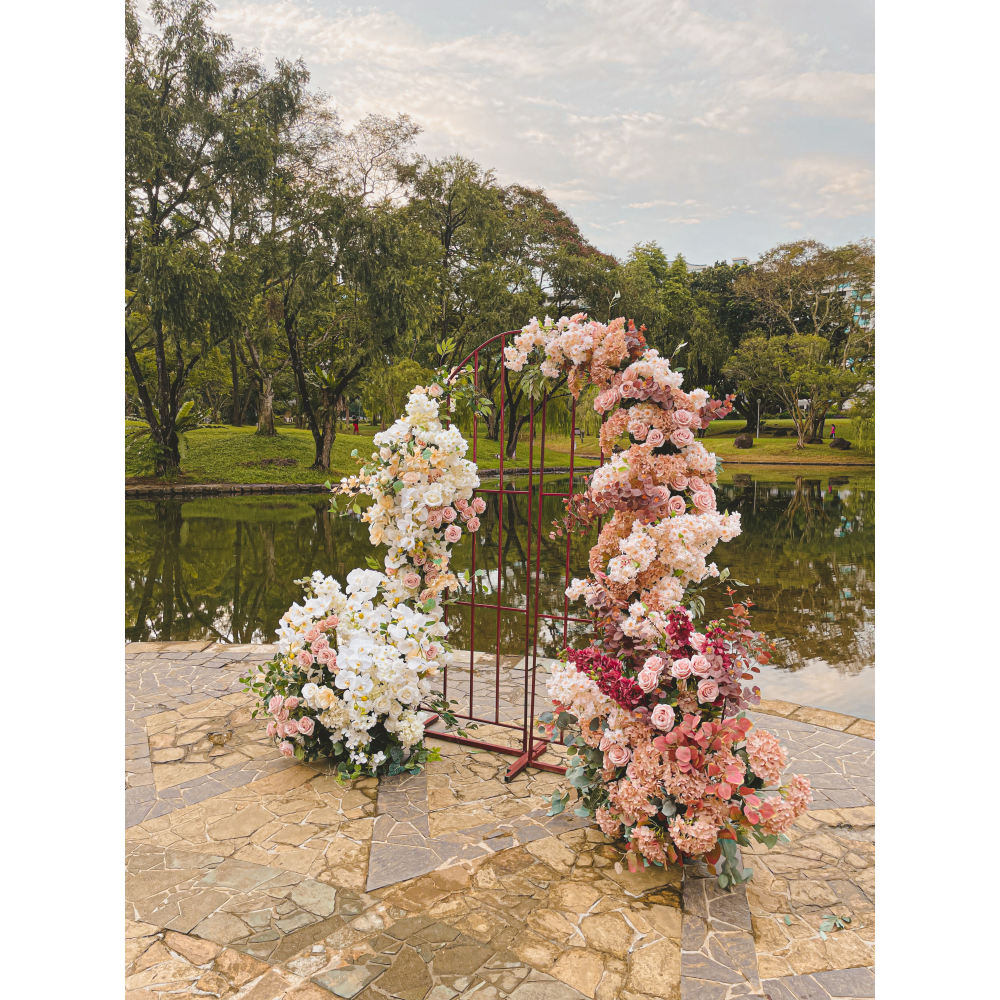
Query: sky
x=718, y=129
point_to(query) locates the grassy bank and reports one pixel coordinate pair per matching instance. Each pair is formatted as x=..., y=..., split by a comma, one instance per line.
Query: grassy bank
x=238, y=455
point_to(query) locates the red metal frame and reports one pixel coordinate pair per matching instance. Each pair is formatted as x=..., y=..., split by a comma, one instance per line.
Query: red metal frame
x=532, y=746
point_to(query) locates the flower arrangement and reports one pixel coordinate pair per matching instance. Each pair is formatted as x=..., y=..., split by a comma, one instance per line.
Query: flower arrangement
x=665, y=758
x=353, y=666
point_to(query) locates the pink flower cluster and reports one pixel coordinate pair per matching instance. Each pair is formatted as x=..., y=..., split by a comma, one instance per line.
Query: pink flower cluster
x=668, y=767
x=283, y=725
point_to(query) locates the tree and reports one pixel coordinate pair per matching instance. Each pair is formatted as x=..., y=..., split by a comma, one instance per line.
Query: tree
x=798, y=369
x=807, y=288
x=195, y=111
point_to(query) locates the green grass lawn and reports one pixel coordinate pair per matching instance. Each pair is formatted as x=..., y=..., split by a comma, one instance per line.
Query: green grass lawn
x=236, y=454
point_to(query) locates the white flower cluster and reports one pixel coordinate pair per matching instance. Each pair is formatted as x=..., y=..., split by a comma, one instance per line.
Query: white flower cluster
x=380, y=669
x=571, y=687
x=421, y=486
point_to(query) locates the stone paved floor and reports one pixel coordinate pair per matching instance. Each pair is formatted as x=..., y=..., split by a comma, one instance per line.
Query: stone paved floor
x=257, y=878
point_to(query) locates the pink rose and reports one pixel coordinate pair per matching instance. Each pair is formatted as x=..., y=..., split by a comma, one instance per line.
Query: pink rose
x=434, y=390
x=304, y=659
x=424, y=595
x=312, y=634
x=419, y=558
x=627, y=390
x=708, y=691
x=320, y=644
x=679, y=482
x=697, y=639
x=291, y=703
x=448, y=513
x=452, y=533
x=618, y=755
x=328, y=623
x=705, y=500
x=328, y=657
x=681, y=668
x=282, y=716
x=663, y=717
x=411, y=581
x=275, y=704
x=272, y=728
x=306, y=726
x=461, y=504
x=684, y=418
x=606, y=743
x=697, y=484
x=700, y=666
x=682, y=437
x=647, y=679
x=287, y=749
x=432, y=574
x=479, y=505
x=654, y=663
x=676, y=505
x=473, y=524
x=639, y=432
x=431, y=652
x=655, y=437
x=433, y=519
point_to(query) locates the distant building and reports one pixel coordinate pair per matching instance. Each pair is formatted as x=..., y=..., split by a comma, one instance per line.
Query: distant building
x=695, y=268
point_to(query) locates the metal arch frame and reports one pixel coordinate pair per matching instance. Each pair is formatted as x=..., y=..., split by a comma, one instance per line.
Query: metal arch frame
x=532, y=746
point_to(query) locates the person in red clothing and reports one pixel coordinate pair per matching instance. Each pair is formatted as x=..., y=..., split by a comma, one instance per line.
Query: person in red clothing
x=356, y=431
x=833, y=431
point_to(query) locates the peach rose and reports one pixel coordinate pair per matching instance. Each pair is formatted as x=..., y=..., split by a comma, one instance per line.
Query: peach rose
x=448, y=513
x=639, y=432
x=434, y=519
x=304, y=659
x=676, y=505
x=312, y=633
x=419, y=558
x=461, y=504
x=679, y=482
x=411, y=581
x=411, y=477
x=655, y=437
x=704, y=500
x=287, y=749
x=684, y=418
x=708, y=690
x=479, y=505
x=618, y=755
x=274, y=706
x=700, y=666
x=306, y=726
x=272, y=728
x=681, y=668
x=473, y=524
x=662, y=717
x=682, y=437
x=697, y=484
x=452, y=533
x=647, y=679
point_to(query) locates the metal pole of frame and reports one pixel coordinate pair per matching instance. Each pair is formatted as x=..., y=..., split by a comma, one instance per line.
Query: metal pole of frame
x=758, y=419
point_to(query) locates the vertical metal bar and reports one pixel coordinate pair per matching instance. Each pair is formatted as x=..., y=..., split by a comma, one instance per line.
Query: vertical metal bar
x=472, y=595
x=538, y=572
x=526, y=725
x=500, y=506
x=569, y=536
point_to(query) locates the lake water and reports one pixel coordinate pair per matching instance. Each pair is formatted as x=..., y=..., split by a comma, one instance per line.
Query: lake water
x=223, y=568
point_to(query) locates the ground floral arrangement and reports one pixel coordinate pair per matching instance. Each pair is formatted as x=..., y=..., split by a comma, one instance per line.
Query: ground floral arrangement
x=354, y=666
x=664, y=757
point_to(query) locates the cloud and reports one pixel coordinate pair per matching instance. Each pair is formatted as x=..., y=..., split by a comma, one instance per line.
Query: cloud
x=649, y=104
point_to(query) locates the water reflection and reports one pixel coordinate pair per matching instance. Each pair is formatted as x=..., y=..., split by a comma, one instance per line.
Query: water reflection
x=222, y=568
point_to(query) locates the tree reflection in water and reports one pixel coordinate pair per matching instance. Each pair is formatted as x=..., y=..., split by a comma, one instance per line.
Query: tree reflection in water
x=222, y=568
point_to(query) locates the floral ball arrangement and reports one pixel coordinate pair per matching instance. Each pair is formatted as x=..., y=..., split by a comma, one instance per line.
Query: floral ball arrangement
x=665, y=758
x=353, y=666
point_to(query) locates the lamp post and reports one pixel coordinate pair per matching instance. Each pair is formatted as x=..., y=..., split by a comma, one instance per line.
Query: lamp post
x=758, y=419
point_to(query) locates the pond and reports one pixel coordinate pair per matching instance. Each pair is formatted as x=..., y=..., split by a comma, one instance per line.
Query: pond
x=223, y=568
